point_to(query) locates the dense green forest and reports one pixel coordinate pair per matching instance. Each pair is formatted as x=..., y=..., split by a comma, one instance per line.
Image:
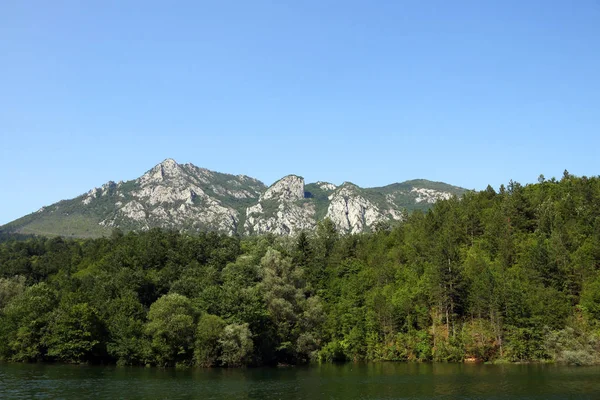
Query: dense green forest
x=512, y=275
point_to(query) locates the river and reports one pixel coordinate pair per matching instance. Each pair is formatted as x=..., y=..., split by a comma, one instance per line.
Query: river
x=346, y=381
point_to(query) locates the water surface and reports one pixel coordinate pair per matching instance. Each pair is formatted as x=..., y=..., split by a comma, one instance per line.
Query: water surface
x=347, y=381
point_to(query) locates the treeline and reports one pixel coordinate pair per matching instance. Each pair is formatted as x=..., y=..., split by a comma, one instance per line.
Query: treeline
x=511, y=275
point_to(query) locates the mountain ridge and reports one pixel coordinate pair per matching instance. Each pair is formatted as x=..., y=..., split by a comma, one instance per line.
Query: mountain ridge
x=188, y=198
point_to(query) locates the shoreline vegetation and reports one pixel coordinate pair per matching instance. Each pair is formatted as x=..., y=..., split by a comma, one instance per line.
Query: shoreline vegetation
x=496, y=276
x=311, y=363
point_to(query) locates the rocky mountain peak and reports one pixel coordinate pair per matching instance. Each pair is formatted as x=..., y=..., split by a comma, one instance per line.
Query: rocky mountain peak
x=288, y=188
x=351, y=211
x=345, y=190
x=169, y=163
x=192, y=199
x=166, y=170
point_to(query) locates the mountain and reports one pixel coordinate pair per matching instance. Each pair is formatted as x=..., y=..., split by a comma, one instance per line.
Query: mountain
x=187, y=198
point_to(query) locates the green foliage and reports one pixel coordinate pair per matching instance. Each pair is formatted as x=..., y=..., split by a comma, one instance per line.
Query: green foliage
x=208, y=348
x=507, y=276
x=75, y=333
x=171, y=327
x=24, y=323
x=10, y=288
x=573, y=345
x=332, y=352
x=125, y=324
x=403, y=196
x=319, y=197
x=480, y=340
x=590, y=298
x=236, y=345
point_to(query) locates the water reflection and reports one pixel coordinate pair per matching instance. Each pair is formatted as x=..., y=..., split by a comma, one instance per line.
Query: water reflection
x=347, y=381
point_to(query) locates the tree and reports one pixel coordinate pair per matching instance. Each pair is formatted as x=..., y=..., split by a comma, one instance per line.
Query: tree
x=171, y=329
x=303, y=250
x=125, y=325
x=75, y=334
x=10, y=288
x=590, y=299
x=284, y=298
x=236, y=344
x=24, y=323
x=208, y=347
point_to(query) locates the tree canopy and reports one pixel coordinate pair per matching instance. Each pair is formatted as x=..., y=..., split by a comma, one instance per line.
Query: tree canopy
x=512, y=275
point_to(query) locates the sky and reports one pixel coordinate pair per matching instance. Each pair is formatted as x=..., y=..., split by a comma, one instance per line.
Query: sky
x=373, y=92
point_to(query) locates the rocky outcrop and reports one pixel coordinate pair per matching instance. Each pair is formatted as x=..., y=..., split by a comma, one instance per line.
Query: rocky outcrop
x=281, y=210
x=288, y=219
x=430, y=195
x=133, y=210
x=187, y=198
x=351, y=212
x=326, y=186
x=179, y=197
x=104, y=190
x=289, y=188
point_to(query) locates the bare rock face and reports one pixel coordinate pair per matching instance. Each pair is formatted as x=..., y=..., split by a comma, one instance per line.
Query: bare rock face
x=430, y=195
x=133, y=210
x=288, y=219
x=326, y=186
x=169, y=183
x=288, y=188
x=187, y=198
x=166, y=170
x=174, y=196
x=351, y=212
x=281, y=210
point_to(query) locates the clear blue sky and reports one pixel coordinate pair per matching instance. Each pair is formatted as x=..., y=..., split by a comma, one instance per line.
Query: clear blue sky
x=373, y=92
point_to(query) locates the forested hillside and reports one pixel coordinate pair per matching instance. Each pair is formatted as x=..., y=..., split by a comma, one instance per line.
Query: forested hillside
x=511, y=275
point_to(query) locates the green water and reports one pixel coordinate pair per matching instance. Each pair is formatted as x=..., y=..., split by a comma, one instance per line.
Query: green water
x=348, y=381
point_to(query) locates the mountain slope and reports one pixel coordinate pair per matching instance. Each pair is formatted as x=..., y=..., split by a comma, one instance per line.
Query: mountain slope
x=187, y=198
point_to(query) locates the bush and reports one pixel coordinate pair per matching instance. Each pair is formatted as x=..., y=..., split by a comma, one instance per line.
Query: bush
x=208, y=349
x=573, y=346
x=332, y=352
x=236, y=344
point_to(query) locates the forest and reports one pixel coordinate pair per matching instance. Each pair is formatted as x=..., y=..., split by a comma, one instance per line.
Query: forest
x=507, y=275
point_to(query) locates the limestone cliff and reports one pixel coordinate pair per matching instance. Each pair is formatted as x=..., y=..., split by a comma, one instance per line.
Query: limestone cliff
x=281, y=209
x=184, y=197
